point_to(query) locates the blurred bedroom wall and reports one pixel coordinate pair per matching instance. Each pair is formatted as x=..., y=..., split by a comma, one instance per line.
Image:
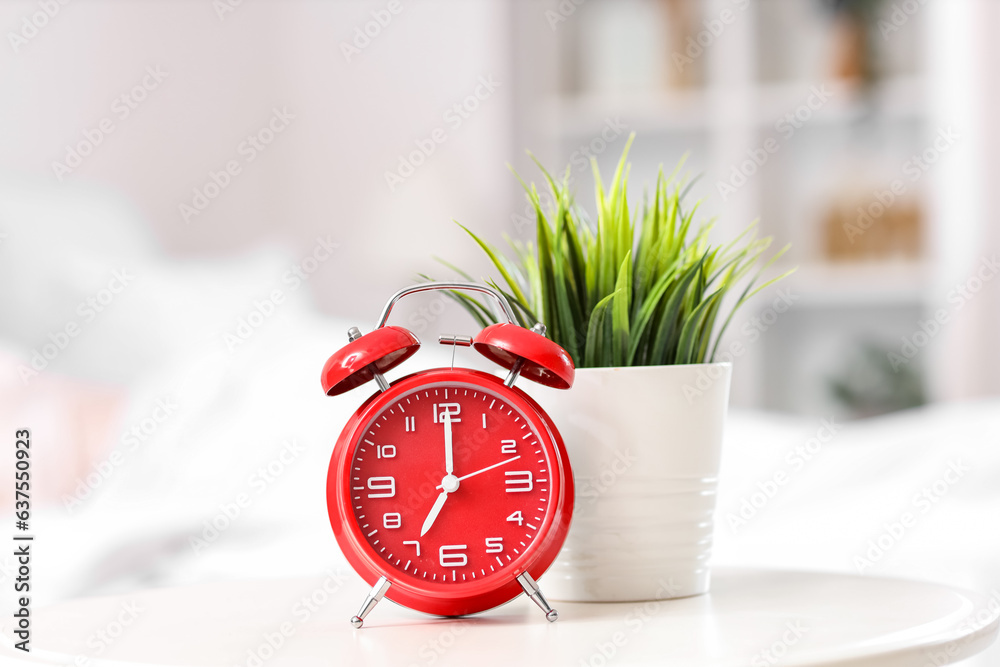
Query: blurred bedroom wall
x=362, y=102
x=223, y=73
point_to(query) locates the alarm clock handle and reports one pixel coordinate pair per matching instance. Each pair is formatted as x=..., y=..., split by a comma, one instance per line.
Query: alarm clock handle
x=373, y=598
x=531, y=589
x=466, y=287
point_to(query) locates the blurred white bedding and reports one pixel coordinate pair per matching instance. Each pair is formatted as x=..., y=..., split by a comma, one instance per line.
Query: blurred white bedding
x=222, y=450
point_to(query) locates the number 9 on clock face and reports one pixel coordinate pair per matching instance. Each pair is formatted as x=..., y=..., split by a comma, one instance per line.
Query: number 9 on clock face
x=450, y=484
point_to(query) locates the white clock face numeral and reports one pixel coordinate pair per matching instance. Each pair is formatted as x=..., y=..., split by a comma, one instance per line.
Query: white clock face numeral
x=518, y=481
x=452, y=555
x=414, y=543
x=392, y=520
x=453, y=409
x=516, y=518
x=508, y=446
x=386, y=451
x=386, y=485
x=494, y=545
x=410, y=424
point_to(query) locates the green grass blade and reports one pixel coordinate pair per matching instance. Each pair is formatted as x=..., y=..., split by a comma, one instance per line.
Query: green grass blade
x=497, y=262
x=667, y=331
x=620, y=311
x=595, y=331
x=688, y=339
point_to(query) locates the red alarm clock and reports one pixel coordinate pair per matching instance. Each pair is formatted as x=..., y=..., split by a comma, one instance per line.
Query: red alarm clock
x=449, y=489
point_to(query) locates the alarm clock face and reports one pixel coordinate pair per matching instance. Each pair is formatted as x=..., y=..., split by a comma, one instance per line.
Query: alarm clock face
x=450, y=484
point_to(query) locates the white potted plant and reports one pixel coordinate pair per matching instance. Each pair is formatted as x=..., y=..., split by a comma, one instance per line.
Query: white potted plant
x=637, y=301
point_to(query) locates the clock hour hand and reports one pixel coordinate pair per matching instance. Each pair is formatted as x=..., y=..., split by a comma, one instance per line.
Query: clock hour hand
x=435, y=510
x=482, y=470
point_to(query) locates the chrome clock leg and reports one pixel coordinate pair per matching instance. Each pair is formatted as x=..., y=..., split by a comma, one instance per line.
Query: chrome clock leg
x=533, y=592
x=376, y=594
x=515, y=370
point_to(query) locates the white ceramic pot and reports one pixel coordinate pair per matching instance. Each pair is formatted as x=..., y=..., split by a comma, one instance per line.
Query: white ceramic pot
x=645, y=444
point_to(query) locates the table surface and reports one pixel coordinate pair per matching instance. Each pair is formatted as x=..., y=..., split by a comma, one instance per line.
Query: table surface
x=751, y=617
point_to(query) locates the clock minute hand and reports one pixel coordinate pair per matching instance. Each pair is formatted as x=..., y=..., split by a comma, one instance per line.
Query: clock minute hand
x=435, y=510
x=449, y=455
x=482, y=470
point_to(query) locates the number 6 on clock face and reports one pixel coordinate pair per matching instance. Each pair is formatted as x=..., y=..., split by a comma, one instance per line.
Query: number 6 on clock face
x=452, y=555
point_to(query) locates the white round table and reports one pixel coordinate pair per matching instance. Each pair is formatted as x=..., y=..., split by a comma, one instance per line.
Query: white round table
x=751, y=617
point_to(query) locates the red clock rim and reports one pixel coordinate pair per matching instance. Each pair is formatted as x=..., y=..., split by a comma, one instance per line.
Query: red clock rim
x=452, y=599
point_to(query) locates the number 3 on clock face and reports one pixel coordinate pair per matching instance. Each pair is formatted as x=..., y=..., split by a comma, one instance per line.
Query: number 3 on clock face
x=450, y=484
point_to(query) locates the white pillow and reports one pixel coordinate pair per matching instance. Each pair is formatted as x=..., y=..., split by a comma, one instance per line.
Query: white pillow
x=84, y=292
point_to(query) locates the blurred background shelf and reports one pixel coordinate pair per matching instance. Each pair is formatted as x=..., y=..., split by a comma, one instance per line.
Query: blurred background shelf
x=843, y=109
x=674, y=111
x=687, y=110
x=896, y=98
x=828, y=285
